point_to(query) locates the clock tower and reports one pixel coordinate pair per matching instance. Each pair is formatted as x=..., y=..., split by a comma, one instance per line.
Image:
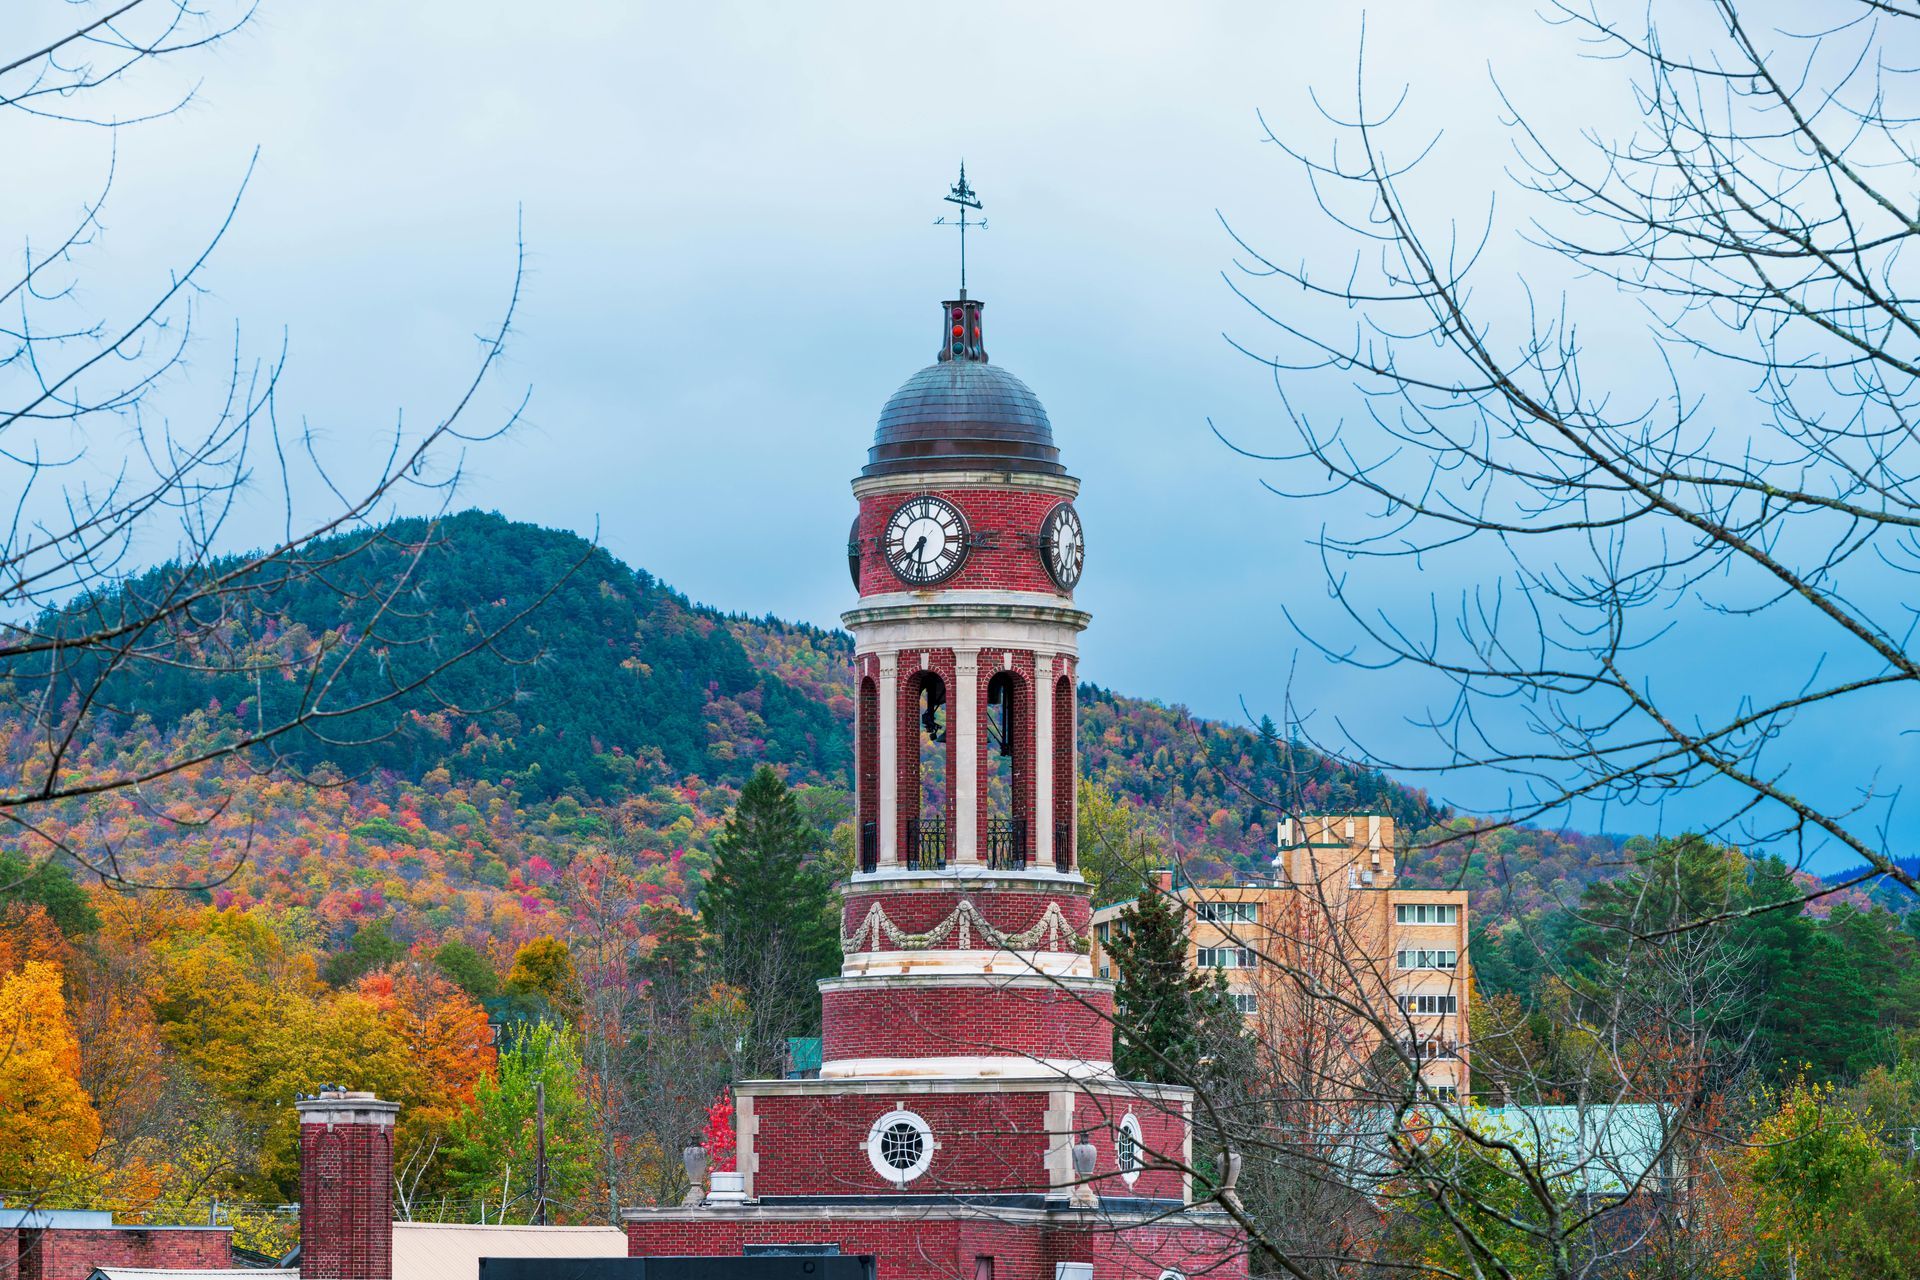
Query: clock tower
x=966, y=1120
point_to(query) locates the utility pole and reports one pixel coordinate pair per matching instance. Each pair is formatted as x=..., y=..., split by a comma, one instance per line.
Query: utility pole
x=540, y=1153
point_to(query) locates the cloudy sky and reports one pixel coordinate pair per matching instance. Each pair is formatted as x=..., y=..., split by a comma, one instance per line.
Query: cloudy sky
x=727, y=216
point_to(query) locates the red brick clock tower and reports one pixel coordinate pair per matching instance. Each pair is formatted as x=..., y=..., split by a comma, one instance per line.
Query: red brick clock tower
x=967, y=1123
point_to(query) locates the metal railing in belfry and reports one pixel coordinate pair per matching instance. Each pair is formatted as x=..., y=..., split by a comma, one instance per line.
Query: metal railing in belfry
x=869, y=846
x=1063, y=847
x=1007, y=844
x=926, y=844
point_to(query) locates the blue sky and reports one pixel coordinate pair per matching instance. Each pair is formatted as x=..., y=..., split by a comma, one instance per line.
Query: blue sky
x=727, y=214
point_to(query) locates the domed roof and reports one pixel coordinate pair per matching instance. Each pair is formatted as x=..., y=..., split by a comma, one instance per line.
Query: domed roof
x=963, y=414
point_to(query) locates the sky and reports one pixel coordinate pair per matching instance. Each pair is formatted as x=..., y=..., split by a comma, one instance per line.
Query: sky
x=727, y=216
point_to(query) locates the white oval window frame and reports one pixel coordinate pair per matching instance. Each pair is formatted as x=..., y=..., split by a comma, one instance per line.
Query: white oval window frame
x=1129, y=1124
x=927, y=1145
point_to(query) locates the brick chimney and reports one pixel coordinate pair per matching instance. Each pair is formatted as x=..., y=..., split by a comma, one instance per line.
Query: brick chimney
x=346, y=1186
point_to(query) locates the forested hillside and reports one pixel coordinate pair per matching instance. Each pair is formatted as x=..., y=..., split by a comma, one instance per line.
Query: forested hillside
x=618, y=721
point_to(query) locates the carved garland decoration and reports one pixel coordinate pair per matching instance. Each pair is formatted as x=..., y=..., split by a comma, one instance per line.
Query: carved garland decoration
x=965, y=920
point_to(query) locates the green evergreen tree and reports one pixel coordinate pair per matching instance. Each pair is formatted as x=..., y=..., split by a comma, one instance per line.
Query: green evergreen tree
x=1815, y=1012
x=771, y=916
x=1159, y=1001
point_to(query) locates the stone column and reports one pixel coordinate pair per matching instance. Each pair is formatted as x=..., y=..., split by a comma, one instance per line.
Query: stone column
x=890, y=759
x=1043, y=760
x=963, y=721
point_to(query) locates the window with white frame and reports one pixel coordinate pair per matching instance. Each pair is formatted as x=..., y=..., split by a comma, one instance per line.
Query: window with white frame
x=1429, y=1004
x=1226, y=957
x=1245, y=1003
x=1426, y=913
x=900, y=1146
x=1227, y=912
x=1430, y=1050
x=1423, y=958
x=1126, y=1148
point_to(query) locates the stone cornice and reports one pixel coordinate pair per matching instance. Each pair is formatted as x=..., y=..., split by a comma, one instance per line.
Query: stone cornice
x=997, y=981
x=971, y=606
x=965, y=877
x=1037, y=1082
x=1093, y=1219
x=921, y=481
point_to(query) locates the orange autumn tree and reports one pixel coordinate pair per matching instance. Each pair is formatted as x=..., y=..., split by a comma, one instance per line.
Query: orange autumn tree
x=447, y=1039
x=48, y=1127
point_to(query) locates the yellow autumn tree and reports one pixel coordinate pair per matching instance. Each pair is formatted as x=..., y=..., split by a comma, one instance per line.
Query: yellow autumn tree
x=48, y=1127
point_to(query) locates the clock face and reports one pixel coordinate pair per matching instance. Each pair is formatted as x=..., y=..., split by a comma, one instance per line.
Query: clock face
x=1063, y=546
x=853, y=552
x=925, y=541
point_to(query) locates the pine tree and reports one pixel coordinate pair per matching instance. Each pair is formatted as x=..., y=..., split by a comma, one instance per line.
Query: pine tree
x=1157, y=1033
x=771, y=917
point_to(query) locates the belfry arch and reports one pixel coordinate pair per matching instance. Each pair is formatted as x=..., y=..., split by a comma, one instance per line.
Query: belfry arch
x=1006, y=771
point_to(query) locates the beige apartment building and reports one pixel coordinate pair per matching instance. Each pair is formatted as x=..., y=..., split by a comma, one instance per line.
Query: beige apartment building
x=1329, y=955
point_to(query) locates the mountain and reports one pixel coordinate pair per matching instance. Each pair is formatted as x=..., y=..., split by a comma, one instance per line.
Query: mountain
x=616, y=722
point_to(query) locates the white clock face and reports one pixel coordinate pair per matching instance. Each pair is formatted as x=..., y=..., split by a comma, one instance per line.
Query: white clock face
x=1063, y=546
x=926, y=540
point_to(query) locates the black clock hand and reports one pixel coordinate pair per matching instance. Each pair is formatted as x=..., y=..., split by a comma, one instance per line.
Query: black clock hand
x=918, y=546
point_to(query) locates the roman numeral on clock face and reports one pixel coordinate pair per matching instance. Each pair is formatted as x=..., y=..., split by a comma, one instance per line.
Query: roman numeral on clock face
x=925, y=540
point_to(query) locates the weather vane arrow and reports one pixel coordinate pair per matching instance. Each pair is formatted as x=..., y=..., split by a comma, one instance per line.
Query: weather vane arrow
x=962, y=195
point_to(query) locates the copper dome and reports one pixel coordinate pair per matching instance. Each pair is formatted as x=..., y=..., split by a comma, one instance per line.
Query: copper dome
x=963, y=413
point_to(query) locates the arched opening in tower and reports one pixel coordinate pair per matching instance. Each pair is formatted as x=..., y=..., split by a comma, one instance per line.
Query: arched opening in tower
x=867, y=783
x=925, y=792
x=1065, y=784
x=1006, y=759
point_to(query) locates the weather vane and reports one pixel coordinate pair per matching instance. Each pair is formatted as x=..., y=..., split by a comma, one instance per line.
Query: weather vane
x=962, y=195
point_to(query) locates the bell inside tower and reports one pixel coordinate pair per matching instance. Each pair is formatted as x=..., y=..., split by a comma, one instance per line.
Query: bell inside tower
x=927, y=835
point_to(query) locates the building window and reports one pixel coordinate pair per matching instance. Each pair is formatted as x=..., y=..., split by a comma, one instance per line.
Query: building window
x=1126, y=1148
x=1226, y=957
x=1444, y=1092
x=1102, y=931
x=1424, y=959
x=1426, y=913
x=900, y=1145
x=1227, y=912
x=1429, y=1004
x=1429, y=1050
x=1245, y=1003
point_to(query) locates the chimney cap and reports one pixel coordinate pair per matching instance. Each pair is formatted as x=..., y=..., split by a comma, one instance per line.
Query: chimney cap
x=337, y=1104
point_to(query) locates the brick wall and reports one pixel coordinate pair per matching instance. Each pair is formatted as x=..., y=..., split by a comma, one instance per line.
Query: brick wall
x=71, y=1253
x=1163, y=1136
x=983, y=1141
x=994, y=1018
x=1009, y=521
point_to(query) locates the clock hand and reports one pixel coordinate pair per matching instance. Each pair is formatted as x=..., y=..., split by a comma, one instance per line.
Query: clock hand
x=918, y=547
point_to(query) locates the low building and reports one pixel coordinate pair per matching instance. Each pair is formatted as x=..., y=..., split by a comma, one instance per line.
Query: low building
x=68, y=1244
x=1333, y=919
